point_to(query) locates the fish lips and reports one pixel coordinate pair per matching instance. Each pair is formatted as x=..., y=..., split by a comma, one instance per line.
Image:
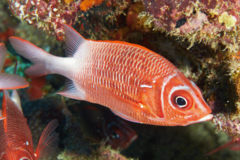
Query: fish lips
x=205, y=118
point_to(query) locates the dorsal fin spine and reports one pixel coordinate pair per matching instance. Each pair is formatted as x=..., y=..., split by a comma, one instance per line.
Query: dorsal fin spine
x=73, y=40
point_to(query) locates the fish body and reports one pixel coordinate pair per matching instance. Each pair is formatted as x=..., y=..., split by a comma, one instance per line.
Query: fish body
x=9, y=81
x=100, y=124
x=16, y=137
x=134, y=82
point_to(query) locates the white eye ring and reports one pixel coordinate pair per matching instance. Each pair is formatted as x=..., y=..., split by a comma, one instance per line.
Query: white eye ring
x=181, y=101
x=24, y=158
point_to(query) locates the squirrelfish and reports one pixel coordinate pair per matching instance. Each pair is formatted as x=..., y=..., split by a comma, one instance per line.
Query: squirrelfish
x=134, y=82
x=9, y=81
x=15, y=135
x=100, y=124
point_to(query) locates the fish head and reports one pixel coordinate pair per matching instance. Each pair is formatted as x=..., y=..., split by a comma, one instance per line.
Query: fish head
x=119, y=133
x=174, y=100
x=17, y=154
x=182, y=101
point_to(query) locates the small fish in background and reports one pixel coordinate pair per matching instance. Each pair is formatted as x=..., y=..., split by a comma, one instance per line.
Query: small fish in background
x=9, y=60
x=234, y=145
x=16, y=137
x=9, y=81
x=100, y=124
x=35, y=90
x=134, y=82
x=6, y=34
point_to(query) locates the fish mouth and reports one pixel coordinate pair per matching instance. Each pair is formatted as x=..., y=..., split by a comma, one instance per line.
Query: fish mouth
x=203, y=119
x=206, y=118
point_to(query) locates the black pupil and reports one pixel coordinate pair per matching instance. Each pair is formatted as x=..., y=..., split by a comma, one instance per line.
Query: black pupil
x=181, y=101
x=114, y=134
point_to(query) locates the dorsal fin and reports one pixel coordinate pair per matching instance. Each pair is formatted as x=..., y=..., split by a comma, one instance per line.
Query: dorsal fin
x=15, y=124
x=73, y=40
x=3, y=53
x=1, y=116
x=48, y=140
x=15, y=98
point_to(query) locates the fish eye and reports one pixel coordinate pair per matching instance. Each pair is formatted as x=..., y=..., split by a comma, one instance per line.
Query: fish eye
x=114, y=134
x=181, y=101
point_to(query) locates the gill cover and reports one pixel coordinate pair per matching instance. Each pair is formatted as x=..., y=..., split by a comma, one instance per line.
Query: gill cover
x=175, y=100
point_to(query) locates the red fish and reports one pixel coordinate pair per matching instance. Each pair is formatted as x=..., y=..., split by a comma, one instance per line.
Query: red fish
x=9, y=81
x=5, y=35
x=16, y=137
x=233, y=145
x=35, y=91
x=134, y=82
x=100, y=124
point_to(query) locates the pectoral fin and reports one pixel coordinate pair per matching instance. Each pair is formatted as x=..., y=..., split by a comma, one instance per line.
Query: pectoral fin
x=48, y=140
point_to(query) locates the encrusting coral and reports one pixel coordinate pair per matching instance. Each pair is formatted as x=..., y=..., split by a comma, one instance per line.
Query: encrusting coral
x=48, y=15
x=208, y=21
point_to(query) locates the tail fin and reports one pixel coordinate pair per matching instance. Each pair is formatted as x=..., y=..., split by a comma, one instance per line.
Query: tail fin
x=48, y=140
x=36, y=55
x=9, y=81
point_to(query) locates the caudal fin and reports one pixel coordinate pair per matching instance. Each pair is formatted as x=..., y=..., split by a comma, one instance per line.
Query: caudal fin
x=48, y=140
x=9, y=81
x=36, y=55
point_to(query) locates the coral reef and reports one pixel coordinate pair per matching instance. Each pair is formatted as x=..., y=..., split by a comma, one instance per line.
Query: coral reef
x=165, y=27
x=101, y=22
x=228, y=119
x=87, y=4
x=48, y=15
x=208, y=21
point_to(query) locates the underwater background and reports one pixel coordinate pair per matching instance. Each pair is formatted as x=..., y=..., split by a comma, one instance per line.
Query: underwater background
x=201, y=40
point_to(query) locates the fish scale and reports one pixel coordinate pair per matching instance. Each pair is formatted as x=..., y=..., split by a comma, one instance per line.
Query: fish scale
x=135, y=72
x=15, y=135
x=14, y=117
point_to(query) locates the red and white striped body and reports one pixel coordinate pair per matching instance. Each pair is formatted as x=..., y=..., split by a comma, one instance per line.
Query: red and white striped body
x=134, y=82
x=119, y=68
x=15, y=134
